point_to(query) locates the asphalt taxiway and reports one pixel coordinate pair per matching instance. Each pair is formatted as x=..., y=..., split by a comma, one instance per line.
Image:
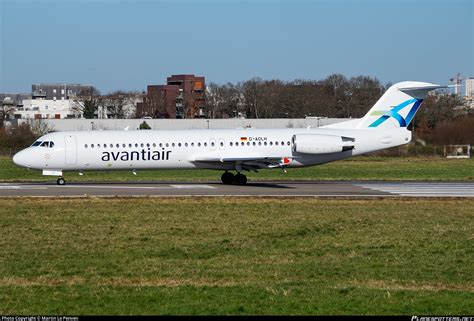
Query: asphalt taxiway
x=349, y=189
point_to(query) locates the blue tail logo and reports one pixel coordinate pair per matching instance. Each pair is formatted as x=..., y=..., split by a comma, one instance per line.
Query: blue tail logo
x=403, y=122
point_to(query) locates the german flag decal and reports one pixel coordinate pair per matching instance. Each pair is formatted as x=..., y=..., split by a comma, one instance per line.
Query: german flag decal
x=243, y=139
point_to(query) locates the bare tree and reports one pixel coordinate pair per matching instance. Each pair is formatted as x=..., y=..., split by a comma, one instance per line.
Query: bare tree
x=86, y=102
x=116, y=102
x=38, y=126
x=363, y=93
x=6, y=109
x=252, y=96
x=214, y=101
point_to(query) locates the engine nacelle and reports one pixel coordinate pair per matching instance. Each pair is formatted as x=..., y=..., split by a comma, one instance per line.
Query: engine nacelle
x=321, y=144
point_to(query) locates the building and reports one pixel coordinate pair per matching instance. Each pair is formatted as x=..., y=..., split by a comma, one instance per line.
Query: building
x=469, y=92
x=14, y=98
x=60, y=91
x=47, y=109
x=53, y=101
x=182, y=97
x=469, y=87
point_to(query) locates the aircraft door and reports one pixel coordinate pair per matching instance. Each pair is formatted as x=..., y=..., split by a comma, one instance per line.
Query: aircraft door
x=71, y=149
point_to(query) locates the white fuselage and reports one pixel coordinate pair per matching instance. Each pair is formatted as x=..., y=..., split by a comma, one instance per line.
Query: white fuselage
x=188, y=149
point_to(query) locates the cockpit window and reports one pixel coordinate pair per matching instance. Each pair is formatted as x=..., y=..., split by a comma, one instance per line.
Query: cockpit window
x=48, y=144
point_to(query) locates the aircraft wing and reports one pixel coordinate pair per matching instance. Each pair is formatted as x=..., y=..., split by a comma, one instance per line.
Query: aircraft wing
x=249, y=163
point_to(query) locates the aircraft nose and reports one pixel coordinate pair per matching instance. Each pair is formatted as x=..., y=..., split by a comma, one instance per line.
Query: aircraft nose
x=21, y=158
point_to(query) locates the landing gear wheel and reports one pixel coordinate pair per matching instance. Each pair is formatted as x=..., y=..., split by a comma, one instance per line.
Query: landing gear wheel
x=61, y=181
x=240, y=179
x=227, y=178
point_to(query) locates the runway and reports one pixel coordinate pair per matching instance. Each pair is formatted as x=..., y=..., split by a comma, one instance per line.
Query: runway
x=326, y=189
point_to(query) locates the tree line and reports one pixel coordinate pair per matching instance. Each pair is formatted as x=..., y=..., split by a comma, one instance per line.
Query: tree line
x=334, y=96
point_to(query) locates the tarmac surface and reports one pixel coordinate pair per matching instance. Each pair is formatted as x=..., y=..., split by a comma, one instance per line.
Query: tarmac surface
x=326, y=189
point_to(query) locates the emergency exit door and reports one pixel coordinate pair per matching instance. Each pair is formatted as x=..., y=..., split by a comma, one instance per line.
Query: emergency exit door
x=71, y=149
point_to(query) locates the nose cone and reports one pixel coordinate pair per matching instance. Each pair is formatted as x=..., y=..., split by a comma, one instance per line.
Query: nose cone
x=21, y=158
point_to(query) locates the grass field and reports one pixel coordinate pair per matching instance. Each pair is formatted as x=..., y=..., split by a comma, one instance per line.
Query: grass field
x=357, y=168
x=236, y=256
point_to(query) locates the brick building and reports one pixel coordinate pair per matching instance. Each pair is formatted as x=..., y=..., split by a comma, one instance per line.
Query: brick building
x=182, y=97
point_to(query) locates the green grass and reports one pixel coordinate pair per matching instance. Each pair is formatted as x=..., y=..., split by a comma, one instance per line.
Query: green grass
x=357, y=168
x=236, y=256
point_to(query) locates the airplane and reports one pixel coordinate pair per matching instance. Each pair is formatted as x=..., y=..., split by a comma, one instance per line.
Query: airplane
x=228, y=150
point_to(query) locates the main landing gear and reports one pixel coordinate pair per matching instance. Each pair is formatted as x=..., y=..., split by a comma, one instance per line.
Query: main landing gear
x=61, y=181
x=237, y=179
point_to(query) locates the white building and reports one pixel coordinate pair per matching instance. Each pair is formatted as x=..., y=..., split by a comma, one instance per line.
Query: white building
x=469, y=93
x=469, y=87
x=47, y=109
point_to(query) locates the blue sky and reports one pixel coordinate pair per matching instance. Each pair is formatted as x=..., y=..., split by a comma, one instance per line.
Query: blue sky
x=130, y=44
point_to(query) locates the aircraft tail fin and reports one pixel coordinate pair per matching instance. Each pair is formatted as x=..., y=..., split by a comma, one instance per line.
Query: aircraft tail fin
x=398, y=105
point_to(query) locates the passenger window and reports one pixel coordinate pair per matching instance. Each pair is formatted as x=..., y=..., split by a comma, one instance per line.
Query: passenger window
x=288, y=143
x=254, y=143
x=230, y=143
x=154, y=145
x=147, y=144
x=179, y=144
x=111, y=145
x=172, y=145
x=199, y=144
x=205, y=144
x=85, y=145
x=92, y=145
x=136, y=145
x=186, y=144
x=192, y=144
x=124, y=145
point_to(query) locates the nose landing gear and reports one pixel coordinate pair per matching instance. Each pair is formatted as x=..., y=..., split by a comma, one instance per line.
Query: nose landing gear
x=61, y=181
x=229, y=178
